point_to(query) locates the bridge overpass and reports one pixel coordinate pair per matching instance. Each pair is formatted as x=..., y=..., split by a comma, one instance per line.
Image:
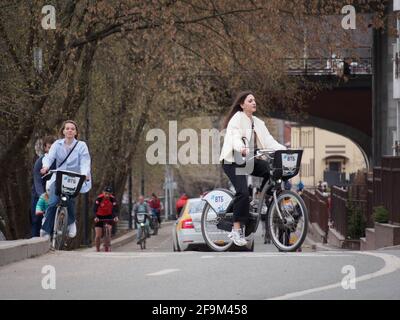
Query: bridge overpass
x=344, y=106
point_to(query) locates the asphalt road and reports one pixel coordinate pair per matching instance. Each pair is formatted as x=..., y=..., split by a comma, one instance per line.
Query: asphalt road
x=159, y=273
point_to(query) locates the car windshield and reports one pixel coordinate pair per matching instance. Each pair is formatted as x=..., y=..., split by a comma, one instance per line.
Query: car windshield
x=196, y=206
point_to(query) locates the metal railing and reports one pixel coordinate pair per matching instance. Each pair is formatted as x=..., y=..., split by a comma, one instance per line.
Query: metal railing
x=339, y=210
x=328, y=66
x=385, y=187
x=318, y=209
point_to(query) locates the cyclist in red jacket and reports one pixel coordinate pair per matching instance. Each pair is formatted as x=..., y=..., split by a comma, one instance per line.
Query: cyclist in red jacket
x=155, y=205
x=105, y=207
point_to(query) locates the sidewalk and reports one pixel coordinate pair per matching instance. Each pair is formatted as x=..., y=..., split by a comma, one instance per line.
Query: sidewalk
x=130, y=236
x=16, y=250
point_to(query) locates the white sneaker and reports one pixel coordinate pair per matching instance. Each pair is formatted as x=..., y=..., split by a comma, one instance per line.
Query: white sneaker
x=238, y=238
x=44, y=234
x=72, y=230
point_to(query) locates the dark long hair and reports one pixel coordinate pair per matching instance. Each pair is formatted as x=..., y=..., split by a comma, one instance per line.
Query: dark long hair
x=241, y=96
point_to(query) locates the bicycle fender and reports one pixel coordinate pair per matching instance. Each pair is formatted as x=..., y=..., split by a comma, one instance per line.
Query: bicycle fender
x=219, y=199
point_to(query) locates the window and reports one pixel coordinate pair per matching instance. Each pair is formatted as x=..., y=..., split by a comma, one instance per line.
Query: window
x=196, y=207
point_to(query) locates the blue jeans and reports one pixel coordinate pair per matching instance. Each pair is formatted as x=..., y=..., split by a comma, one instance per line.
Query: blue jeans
x=36, y=221
x=156, y=212
x=50, y=214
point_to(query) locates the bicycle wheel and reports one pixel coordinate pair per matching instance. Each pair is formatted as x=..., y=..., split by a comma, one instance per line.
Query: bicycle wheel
x=155, y=226
x=215, y=238
x=288, y=233
x=107, y=237
x=143, y=239
x=60, y=228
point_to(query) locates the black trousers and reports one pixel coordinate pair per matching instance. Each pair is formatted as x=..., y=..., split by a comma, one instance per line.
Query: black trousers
x=241, y=204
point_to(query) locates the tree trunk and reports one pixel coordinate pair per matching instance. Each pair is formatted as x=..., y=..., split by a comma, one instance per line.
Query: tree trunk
x=16, y=194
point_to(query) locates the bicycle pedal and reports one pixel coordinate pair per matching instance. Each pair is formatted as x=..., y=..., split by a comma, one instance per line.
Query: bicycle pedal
x=225, y=225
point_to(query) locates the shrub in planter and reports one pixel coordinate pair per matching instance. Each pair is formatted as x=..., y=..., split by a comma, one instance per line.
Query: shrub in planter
x=381, y=214
x=356, y=223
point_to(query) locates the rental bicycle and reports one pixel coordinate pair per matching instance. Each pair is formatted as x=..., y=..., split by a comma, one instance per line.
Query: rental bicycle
x=67, y=186
x=144, y=233
x=143, y=236
x=286, y=213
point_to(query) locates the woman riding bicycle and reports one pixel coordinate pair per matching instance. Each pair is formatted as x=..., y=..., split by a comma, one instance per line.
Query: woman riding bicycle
x=74, y=156
x=243, y=130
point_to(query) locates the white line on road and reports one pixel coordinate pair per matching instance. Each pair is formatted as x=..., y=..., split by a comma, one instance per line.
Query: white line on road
x=129, y=255
x=281, y=255
x=163, y=272
x=392, y=264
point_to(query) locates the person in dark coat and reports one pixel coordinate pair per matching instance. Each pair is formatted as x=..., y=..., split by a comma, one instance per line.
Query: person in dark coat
x=39, y=186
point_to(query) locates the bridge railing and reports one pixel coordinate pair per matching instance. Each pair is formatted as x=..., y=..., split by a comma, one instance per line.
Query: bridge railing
x=328, y=66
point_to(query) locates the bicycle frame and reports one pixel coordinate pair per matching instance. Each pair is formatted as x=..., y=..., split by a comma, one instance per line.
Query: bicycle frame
x=107, y=231
x=68, y=185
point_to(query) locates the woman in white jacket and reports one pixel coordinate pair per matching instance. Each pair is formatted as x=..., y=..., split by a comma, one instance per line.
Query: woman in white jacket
x=244, y=130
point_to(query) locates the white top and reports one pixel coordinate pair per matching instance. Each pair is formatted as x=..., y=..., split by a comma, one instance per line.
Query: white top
x=78, y=161
x=240, y=126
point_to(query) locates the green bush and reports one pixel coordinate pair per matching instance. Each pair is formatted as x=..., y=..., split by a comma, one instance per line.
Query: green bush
x=381, y=214
x=356, y=223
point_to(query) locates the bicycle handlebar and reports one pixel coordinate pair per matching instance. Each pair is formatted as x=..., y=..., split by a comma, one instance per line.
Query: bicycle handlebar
x=267, y=152
x=50, y=172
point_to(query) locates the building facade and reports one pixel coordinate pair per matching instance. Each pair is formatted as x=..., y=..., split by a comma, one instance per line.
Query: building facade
x=327, y=156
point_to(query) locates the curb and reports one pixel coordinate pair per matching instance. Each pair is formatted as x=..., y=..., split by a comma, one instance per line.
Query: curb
x=126, y=238
x=318, y=245
x=17, y=250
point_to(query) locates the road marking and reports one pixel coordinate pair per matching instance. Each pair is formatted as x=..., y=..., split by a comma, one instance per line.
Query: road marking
x=163, y=272
x=392, y=264
x=129, y=255
x=281, y=255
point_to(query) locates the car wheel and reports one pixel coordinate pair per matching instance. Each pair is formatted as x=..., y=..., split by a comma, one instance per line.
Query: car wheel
x=178, y=249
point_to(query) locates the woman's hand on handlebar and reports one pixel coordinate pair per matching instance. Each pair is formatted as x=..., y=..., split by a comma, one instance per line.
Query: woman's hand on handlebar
x=245, y=151
x=44, y=170
x=96, y=220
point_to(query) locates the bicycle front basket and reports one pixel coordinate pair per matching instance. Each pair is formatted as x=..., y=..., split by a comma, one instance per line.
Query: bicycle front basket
x=68, y=183
x=286, y=164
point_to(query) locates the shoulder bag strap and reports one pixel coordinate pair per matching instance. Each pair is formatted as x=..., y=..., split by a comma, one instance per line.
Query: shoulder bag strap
x=68, y=154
